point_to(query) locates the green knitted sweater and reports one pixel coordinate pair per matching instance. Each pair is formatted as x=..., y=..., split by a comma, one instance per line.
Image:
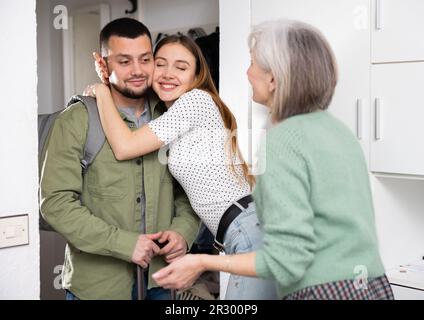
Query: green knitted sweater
x=315, y=205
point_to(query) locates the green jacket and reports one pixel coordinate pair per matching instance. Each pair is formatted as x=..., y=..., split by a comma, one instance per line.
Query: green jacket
x=101, y=234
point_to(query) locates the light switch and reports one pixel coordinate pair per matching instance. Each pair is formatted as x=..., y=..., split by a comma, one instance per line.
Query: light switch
x=10, y=232
x=13, y=231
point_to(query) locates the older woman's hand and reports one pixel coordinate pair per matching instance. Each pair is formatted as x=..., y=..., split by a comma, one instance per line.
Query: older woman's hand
x=181, y=273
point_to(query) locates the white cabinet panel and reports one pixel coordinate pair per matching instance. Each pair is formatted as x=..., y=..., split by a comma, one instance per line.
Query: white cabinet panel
x=397, y=27
x=346, y=25
x=404, y=293
x=398, y=115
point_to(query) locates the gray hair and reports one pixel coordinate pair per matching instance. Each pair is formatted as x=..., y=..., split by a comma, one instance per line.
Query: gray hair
x=301, y=62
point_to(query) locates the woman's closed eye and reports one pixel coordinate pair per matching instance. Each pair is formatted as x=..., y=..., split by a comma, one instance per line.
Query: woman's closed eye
x=181, y=66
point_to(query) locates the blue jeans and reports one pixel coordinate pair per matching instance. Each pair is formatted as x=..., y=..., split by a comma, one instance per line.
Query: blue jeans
x=70, y=296
x=243, y=235
x=153, y=293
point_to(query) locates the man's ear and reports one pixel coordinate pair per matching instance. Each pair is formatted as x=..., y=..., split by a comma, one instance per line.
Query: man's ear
x=101, y=59
x=106, y=64
x=102, y=68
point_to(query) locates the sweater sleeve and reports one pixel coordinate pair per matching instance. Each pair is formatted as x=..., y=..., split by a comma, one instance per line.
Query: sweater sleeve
x=282, y=198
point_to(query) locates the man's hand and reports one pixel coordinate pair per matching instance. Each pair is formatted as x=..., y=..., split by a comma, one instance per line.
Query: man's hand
x=175, y=248
x=101, y=68
x=145, y=249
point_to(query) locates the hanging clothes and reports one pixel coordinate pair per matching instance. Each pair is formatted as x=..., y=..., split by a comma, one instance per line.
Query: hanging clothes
x=210, y=48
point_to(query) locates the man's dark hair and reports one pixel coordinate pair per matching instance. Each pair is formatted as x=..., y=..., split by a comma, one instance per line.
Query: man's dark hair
x=123, y=27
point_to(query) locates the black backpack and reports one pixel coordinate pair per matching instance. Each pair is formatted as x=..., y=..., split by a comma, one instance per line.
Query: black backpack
x=95, y=137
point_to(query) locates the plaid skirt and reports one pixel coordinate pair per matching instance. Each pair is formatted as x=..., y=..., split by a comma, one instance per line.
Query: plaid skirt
x=374, y=289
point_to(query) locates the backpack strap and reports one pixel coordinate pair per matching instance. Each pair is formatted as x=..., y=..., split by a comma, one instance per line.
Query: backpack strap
x=95, y=135
x=45, y=122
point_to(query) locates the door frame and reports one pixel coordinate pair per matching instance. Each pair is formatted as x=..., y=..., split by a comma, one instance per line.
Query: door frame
x=68, y=45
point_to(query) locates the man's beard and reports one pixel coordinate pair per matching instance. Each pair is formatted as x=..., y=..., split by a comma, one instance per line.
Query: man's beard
x=128, y=93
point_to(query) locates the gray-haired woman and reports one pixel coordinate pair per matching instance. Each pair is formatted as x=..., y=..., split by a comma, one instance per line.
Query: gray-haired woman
x=314, y=200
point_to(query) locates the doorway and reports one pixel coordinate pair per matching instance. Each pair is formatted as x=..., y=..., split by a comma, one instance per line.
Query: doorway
x=79, y=42
x=67, y=35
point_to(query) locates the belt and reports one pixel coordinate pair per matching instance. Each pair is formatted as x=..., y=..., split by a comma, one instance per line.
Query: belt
x=229, y=215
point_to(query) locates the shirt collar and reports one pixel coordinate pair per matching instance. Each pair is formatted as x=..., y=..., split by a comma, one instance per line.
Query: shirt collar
x=128, y=113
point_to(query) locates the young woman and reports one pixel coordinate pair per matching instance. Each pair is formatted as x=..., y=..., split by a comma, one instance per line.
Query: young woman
x=314, y=199
x=203, y=153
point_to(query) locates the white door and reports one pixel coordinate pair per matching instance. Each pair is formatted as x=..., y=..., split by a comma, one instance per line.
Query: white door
x=398, y=131
x=346, y=25
x=80, y=40
x=86, y=40
x=397, y=30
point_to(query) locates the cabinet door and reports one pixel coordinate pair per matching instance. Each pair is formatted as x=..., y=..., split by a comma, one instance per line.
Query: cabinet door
x=397, y=30
x=346, y=25
x=404, y=293
x=398, y=131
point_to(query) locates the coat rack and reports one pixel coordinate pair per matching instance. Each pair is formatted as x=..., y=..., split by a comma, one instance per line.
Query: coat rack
x=134, y=7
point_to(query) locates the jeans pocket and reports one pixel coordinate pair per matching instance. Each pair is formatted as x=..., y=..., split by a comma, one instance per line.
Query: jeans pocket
x=238, y=241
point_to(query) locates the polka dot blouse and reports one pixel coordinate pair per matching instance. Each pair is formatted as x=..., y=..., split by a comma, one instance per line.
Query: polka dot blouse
x=199, y=157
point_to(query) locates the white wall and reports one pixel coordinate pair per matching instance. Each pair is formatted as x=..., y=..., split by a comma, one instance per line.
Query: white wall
x=234, y=86
x=50, y=66
x=160, y=15
x=19, y=276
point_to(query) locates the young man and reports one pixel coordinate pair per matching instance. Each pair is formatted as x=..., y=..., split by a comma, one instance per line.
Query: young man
x=126, y=205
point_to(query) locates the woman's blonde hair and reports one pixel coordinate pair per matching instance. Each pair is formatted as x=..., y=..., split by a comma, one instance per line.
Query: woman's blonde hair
x=302, y=64
x=205, y=82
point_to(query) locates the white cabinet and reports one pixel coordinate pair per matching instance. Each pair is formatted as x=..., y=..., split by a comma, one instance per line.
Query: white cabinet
x=407, y=283
x=397, y=80
x=398, y=113
x=406, y=293
x=346, y=25
x=397, y=27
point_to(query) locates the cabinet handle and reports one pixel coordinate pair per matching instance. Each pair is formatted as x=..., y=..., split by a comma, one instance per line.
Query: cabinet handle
x=378, y=15
x=359, y=118
x=377, y=107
